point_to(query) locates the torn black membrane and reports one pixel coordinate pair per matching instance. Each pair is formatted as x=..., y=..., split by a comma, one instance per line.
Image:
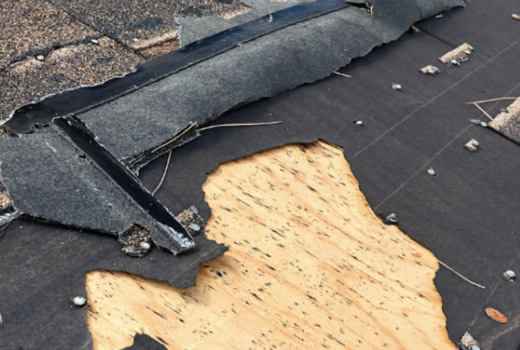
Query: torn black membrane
x=53, y=178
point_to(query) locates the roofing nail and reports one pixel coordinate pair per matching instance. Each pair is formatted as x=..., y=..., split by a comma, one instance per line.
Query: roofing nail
x=431, y=172
x=40, y=57
x=515, y=16
x=358, y=122
x=396, y=86
x=94, y=41
x=391, y=219
x=483, y=124
x=475, y=121
x=509, y=275
x=79, y=301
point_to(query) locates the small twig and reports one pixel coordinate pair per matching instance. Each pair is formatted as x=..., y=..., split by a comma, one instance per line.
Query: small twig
x=458, y=274
x=164, y=173
x=493, y=100
x=244, y=124
x=175, y=138
x=483, y=111
x=342, y=74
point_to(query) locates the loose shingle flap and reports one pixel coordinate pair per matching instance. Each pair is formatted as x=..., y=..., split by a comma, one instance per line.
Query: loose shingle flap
x=44, y=167
x=256, y=69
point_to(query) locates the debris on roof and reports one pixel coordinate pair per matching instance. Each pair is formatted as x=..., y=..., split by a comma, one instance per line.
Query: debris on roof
x=94, y=191
x=431, y=70
x=472, y=145
x=509, y=275
x=508, y=122
x=496, y=315
x=468, y=343
x=457, y=56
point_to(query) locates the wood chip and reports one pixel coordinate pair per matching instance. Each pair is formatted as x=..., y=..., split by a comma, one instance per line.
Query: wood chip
x=496, y=315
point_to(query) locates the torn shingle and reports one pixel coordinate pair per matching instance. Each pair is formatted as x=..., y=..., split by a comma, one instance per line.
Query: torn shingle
x=457, y=56
x=429, y=69
x=44, y=167
x=249, y=72
x=508, y=122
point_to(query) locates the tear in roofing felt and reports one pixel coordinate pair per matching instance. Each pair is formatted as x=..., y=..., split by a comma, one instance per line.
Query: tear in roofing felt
x=95, y=192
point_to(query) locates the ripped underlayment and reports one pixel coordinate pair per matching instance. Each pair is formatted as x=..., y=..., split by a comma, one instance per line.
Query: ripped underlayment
x=67, y=68
x=92, y=145
x=508, y=122
x=313, y=270
x=457, y=56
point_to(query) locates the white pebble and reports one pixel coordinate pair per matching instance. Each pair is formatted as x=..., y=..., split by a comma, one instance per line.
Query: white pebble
x=79, y=301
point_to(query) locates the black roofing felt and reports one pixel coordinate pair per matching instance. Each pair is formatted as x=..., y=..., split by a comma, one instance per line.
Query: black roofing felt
x=44, y=266
x=144, y=342
x=466, y=214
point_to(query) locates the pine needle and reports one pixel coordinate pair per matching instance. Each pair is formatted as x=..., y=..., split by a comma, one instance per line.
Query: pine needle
x=243, y=124
x=164, y=173
x=493, y=100
x=342, y=74
x=483, y=111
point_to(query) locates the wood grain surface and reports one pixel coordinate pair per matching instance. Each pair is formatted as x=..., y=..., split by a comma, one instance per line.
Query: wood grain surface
x=309, y=267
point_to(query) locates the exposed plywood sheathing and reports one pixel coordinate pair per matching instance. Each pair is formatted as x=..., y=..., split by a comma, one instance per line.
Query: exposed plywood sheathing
x=308, y=267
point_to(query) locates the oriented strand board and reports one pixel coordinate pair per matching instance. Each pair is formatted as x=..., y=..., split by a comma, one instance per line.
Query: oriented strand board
x=308, y=267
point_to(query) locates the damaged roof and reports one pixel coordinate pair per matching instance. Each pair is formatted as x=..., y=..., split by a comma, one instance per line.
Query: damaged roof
x=85, y=161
